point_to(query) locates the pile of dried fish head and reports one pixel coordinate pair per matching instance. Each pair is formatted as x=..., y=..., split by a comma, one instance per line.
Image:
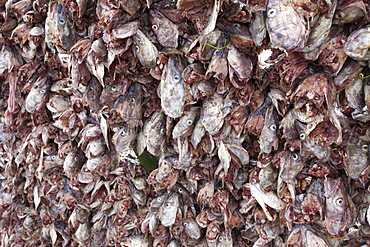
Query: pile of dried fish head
x=184, y=123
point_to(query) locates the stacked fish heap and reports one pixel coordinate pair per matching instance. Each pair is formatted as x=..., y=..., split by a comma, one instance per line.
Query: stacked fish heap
x=256, y=111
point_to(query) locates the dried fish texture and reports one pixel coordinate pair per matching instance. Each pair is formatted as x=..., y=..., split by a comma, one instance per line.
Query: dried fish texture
x=184, y=123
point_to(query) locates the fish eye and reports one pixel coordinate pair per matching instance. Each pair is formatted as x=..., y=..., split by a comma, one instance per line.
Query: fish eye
x=271, y=13
x=295, y=156
x=91, y=88
x=340, y=15
x=185, y=223
x=302, y=136
x=236, y=25
x=132, y=100
x=365, y=147
x=137, y=48
x=159, y=199
x=114, y=87
x=340, y=201
x=163, y=131
x=176, y=78
x=167, y=205
x=189, y=122
x=181, y=190
x=61, y=21
x=174, y=160
x=53, y=157
x=123, y=133
x=76, y=158
x=42, y=91
x=221, y=238
x=154, y=27
x=273, y=127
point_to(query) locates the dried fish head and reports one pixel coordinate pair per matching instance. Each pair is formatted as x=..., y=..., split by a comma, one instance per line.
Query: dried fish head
x=111, y=93
x=145, y=51
x=192, y=228
x=172, y=87
x=186, y=123
x=129, y=107
x=65, y=27
x=213, y=232
x=287, y=29
x=240, y=67
x=356, y=158
x=167, y=212
x=154, y=132
x=167, y=33
x=123, y=137
x=348, y=12
x=311, y=95
x=356, y=45
x=339, y=207
x=37, y=97
x=269, y=135
x=225, y=239
x=211, y=113
x=92, y=95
